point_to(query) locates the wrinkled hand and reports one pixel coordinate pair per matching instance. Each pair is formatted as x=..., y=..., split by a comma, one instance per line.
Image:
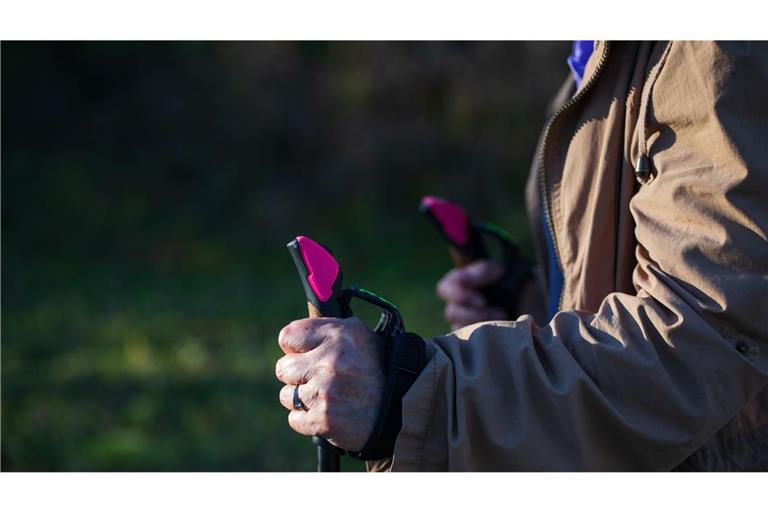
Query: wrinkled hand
x=461, y=289
x=337, y=365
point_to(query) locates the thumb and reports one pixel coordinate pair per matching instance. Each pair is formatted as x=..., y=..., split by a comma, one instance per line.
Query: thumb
x=481, y=273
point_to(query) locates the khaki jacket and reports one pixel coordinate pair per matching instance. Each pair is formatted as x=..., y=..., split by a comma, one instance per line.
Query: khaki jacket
x=658, y=358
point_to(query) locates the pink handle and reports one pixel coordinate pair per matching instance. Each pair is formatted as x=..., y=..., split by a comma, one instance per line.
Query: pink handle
x=451, y=217
x=322, y=269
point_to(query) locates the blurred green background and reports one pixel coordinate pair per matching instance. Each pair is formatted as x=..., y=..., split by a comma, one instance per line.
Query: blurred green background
x=148, y=192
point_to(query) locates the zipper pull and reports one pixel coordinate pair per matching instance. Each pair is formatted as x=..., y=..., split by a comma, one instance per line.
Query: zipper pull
x=643, y=171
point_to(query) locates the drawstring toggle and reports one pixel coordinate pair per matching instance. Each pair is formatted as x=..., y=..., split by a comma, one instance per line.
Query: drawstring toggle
x=643, y=171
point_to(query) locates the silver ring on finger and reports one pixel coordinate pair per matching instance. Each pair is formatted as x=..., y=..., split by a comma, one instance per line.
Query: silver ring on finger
x=297, y=403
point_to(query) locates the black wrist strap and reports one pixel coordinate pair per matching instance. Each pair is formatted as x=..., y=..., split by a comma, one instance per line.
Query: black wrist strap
x=405, y=358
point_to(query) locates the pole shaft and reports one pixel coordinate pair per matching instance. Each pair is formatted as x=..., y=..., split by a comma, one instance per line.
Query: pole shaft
x=328, y=459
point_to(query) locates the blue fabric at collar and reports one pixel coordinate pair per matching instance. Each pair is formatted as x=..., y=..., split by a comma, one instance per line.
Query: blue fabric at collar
x=577, y=61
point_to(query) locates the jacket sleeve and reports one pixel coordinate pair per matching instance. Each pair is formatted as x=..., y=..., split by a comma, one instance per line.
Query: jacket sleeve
x=644, y=381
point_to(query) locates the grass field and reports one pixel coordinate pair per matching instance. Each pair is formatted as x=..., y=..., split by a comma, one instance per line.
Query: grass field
x=125, y=368
x=148, y=194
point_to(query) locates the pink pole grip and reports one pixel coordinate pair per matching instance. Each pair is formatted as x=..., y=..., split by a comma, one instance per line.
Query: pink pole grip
x=452, y=218
x=322, y=268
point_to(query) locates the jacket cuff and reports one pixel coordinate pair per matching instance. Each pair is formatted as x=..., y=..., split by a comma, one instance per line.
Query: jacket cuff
x=406, y=357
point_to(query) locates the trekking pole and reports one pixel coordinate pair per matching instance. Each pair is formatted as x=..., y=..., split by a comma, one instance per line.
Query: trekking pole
x=321, y=277
x=466, y=243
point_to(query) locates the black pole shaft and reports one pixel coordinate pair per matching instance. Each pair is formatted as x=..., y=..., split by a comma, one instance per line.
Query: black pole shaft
x=328, y=459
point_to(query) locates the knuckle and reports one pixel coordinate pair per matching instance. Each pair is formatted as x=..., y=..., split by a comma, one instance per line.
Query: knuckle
x=288, y=334
x=279, y=369
x=453, y=294
x=284, y=368
x=327, y=331
x=285, y=396
x=282, y=337
x=447, y=283
x=440, y=288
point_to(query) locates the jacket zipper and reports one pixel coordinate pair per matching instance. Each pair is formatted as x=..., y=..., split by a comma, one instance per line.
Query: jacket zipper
x=542, y=170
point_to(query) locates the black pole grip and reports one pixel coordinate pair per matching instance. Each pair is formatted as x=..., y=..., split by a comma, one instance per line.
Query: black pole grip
x=321, y=278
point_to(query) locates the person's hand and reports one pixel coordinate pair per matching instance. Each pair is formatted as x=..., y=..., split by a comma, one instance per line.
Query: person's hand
x=337, y=365
x=461, y=289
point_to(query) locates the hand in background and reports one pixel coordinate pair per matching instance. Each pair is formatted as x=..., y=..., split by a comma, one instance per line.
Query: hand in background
x=461, y=289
